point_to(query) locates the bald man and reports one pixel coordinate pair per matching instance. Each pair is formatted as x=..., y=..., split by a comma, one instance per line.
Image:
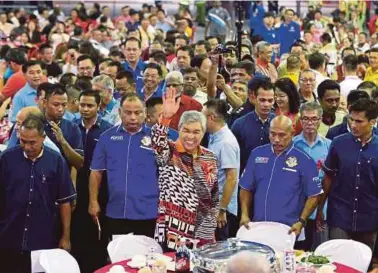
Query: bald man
x=280, y=180
x=21, y=116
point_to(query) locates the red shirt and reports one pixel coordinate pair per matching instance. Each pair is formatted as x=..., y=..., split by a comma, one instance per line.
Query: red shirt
x=14, y=84
x=187, y=103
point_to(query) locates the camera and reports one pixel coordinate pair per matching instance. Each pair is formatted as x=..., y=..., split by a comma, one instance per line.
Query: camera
x=220, y=49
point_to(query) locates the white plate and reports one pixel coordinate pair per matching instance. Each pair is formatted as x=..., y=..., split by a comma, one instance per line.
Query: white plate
x=142, y=263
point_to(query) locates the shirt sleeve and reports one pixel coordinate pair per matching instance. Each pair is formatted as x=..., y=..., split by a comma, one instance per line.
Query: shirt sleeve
x=66, y=191
x=310, y=178
x=12, y=86
x=17, y=105
x=330, y=165
x=247, y=179
x=99, y=155
x=76, y=141
x=229, y=157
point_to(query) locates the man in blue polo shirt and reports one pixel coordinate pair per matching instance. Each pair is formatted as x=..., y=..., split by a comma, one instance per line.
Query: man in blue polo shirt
x=26, y=96
x=289, y=32
x=86, y=247
x=281, y=180
x=35, y=193
x=126, y=154
x=351, y=178
x=267, y=30
x=317, y=147
x=108, y=111
x=133, y=50
x=64, y=133
x=152, y=79
x=252, y=130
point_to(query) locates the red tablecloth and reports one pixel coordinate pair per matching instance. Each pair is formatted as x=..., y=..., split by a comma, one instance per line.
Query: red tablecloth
x=340, y=267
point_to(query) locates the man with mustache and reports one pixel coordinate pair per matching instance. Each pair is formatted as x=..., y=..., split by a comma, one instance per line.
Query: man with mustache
x=191, y=83
x=280, y=180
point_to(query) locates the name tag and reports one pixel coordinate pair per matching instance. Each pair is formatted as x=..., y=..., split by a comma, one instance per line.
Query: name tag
x=261, y=160
x=290, y=170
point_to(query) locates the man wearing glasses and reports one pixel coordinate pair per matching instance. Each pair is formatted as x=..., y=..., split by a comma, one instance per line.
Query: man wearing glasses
x=86, y=66
x=317, y=147
x=263, y=65
x=125, y=84
x=307, y=86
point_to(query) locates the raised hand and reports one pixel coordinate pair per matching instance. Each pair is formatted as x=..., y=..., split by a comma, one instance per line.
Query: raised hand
x=170, y=104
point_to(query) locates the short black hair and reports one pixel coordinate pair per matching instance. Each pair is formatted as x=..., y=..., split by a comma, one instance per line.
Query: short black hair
x=28, y=64
x=84, y=82
x=366, y=85
x=159, y=56
x=152, y=102
x=204, y=43
x=36, y=122
x=77, y=31
x=187, y=49
x=347, y=48
x=16, y=55
x=67, y=78
x=117, y=64
x=220, y=107
x=316, y=60
x=190, y=70
x=83, y=58
x=197, y=60
x=46, y=87
x=350, y=62
x=369, y=106
x=355, y=95
x=248, y=66
x=259, y=82
x=326, y=37
x=56, y=89
x=131, y=97
x=374, y=49
x=327, y=85
x=183, y=37
x=154, y=66
x=91, y=93
x=42, y=47
x=133, y=39
x=287, y=86
x=126, y=75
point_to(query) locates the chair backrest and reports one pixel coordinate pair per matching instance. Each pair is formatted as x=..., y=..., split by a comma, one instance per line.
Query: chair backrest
x=58, y=261
x=126, y=246
x=272, y=234
x=348, y=252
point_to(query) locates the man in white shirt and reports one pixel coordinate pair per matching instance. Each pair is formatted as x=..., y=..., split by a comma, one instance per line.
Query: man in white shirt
x=351, y=80
x=317, y=64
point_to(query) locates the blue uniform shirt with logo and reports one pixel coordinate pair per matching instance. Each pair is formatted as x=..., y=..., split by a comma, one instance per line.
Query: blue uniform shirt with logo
x=132, y=173
x=30, y=194
x=137, y=73
x=288, y=34
x=353, y=197
x=318, y=151
x=280, y=183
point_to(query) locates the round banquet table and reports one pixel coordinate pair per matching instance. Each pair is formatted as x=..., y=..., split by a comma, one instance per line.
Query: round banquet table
x=340, y=268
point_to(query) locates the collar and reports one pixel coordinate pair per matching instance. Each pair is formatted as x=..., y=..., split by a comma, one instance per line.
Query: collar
x=354, y=77
x=180, y=148
x=97, y=122
x=142, y=129
x=284, y=152
x=373, y=137
x=258, y=119
x=110, y=105
x=318, y=139
x=30, y=90
x=262, y=63
x=39, y=156
x=219, y=133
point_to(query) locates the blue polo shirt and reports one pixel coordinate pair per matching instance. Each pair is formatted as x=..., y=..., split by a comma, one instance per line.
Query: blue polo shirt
x=257, y=13
x=138, y=72
x=250, y=133
x=268, y=35
x=110, y=113
x=132, y=173
x=30, y=194
x=158, y=93
x=353, y=197
x=342, y=129
x=288, y=34
x=25, y=97
x=71, y=133
x=226, y=148
x=280, y=183
x=318, y=151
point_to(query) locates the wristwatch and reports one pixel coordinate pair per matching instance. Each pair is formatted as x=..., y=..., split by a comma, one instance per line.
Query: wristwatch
x=302, y=221
x=223, y=210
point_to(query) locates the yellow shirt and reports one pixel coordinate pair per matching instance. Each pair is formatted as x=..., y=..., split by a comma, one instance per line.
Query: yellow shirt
x=371, y=76
x=293, y=76
x=323, y=128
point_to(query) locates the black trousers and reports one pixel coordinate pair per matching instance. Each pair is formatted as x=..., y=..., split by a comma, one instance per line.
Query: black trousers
x=14, y=262
x=125, y=226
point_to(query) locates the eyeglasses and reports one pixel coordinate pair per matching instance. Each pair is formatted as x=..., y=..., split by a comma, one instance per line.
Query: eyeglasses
x=307, y=80
x=313, y=119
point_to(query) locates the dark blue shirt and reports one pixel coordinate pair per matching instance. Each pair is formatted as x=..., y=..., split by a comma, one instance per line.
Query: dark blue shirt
x=30, y=194
x=280, y=183
x=288, y=34
x=250, y=132
x=342, y=129
x=132, y=173
x=138, y=72
x=71, y=133
x=353, y=197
